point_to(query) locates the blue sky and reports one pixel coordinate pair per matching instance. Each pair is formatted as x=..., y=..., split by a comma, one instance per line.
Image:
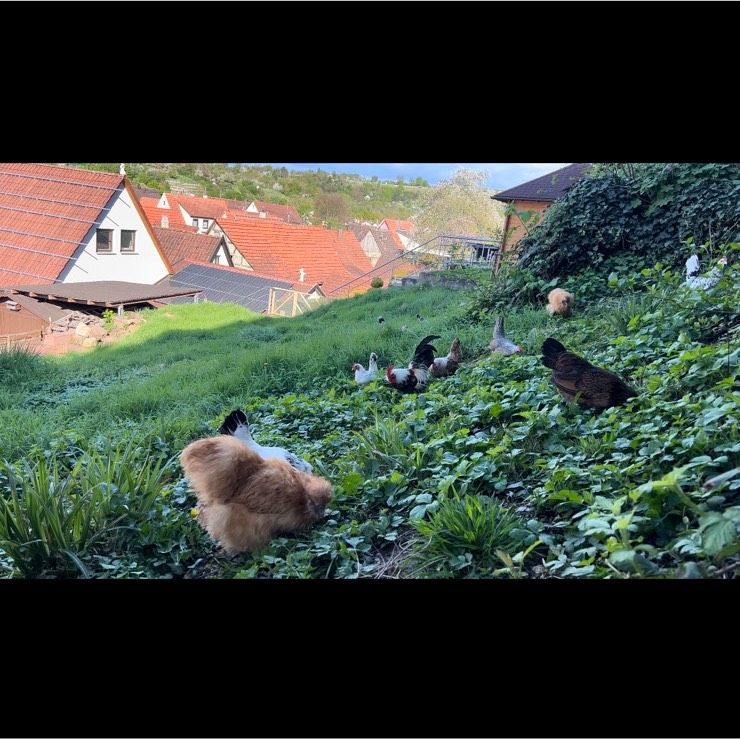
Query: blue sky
x=500, y=176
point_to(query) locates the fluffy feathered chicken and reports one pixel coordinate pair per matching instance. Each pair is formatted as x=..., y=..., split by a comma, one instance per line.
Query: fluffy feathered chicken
x=237, y=425
x=500, y=344
x=362, y=375
x=560, y=302
x=445, y=366
x=414, y=378
x=245, y=500
x=577, y=379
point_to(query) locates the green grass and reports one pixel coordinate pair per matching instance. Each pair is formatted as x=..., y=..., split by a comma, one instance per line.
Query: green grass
x=593, y=492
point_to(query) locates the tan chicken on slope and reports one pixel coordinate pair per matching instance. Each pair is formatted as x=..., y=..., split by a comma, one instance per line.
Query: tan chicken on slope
x=445, y=366
x=246, y=500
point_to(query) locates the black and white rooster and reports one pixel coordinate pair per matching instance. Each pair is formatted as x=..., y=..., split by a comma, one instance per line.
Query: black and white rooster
x=414, y=378
x=237, y=425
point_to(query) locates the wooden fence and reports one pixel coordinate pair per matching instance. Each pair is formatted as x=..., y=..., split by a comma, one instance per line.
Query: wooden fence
x=8, y=340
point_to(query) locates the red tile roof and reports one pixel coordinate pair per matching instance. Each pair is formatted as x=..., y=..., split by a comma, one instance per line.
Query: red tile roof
x=248, y=216
x=286, y=213
x=183, y=246
x=280, y=249
x=173, y=214
x=199, y=207
x=45, y=213
x=394, y=224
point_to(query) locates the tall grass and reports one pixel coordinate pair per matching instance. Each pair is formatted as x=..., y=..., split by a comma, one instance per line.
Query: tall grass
x=469, y=523
x=52, y=515
x=18, y=364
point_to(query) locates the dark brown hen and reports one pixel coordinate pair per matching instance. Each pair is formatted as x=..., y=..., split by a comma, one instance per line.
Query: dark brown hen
x=578, y=380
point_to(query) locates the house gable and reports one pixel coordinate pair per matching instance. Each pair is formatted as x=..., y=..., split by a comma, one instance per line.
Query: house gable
x=145, y=264
x=49, y=217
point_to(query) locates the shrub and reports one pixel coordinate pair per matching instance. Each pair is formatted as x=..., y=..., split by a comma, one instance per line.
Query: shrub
x=471, y=523
x=639, y=215
x=512, y=286
x=108, y=320
x=376, y=282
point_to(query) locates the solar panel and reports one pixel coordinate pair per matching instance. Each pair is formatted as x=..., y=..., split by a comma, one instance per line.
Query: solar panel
x=219, y=286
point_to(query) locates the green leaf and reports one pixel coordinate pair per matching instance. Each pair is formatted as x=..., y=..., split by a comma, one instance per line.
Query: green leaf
x=351, y=482
x=717, y=533
x=417, y=512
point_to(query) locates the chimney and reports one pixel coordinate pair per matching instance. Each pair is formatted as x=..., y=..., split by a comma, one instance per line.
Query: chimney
x=263, y=214
x=122, y=169
x=302, y=273
x=165, y=222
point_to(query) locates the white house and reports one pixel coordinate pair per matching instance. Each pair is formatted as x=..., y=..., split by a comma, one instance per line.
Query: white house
x=62, y=224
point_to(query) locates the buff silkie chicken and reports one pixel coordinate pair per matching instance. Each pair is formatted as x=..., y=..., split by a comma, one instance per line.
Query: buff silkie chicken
x=500, y=344
x=415, y=377
x=446, y=366
x=578, y=380
x=237, y=425
x=245, y=500
x=364, y=376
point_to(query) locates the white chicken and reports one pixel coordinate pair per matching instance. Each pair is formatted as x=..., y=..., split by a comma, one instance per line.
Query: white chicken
x=237, y=425
x=500, y=344
x=364, y=376
x=702, y=282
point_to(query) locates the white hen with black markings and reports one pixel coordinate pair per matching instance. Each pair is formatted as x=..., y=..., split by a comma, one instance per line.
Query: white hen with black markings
x=237, y=425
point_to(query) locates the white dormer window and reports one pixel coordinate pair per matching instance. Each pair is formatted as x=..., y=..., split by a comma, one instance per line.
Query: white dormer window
x=195, y=222
x=205, y=224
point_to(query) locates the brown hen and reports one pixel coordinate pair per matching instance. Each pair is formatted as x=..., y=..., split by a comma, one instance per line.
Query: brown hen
x=578, y=380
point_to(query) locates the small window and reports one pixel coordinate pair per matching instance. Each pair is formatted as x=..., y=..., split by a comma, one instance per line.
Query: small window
x=104, y=241
x=205, y=223
x=195, y=222
x=128, y=242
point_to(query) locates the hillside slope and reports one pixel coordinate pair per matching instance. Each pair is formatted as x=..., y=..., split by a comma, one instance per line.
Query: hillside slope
x=364, y=199
x=488, y=474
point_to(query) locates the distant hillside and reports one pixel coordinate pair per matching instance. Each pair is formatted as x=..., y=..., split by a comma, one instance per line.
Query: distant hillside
x=365, y=199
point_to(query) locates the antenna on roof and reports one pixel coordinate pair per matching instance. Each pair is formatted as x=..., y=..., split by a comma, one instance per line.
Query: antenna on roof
x=122, y=169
